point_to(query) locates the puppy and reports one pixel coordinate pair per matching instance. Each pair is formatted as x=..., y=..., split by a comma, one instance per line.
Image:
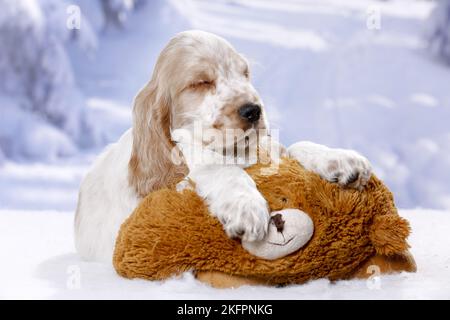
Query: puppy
x=200, y=91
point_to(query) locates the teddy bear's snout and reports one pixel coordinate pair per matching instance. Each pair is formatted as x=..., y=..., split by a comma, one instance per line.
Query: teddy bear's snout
x=289, y=230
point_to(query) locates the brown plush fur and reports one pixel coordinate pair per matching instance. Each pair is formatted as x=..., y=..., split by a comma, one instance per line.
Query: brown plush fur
x=172, y=232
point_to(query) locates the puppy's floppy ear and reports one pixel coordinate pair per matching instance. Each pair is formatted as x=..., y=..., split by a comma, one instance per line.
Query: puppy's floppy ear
x=151, y=166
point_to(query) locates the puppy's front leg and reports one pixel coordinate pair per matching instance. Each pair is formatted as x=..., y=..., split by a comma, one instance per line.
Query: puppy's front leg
x=233, y=198
x=346, y=167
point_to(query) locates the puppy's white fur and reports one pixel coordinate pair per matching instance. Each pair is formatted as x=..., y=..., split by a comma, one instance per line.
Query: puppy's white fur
x=228, y=190
x=346, y=167
x=105, y=201
x=198, y=78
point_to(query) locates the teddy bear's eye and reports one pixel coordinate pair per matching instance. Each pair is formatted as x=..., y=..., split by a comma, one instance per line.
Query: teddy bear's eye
x=284, y=200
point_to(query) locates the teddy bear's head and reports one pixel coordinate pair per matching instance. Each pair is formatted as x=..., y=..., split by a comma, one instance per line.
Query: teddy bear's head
x=299, y=200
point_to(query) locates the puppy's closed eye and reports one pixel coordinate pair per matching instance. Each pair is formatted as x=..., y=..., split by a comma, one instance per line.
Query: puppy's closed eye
x=246, y=73
x=202, y=84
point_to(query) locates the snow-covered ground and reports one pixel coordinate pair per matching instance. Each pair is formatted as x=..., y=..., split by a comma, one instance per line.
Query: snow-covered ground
x=324, y=76
x=39, y=262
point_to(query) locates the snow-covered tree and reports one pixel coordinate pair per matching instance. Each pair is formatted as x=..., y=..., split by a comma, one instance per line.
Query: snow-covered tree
x=115, y=12
x=439, y=37
x=2, y=157
x=140, y=3
x=36, y=76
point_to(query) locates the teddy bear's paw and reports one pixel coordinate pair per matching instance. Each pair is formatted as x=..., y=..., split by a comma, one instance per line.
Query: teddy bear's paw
x=246, y=218
x=348, y=168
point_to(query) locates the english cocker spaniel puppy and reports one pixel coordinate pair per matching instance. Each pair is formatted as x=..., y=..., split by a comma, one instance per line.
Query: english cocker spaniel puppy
x=198, y=120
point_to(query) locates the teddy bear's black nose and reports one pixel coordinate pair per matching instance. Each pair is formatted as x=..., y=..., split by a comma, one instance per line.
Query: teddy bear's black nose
x=278, y=221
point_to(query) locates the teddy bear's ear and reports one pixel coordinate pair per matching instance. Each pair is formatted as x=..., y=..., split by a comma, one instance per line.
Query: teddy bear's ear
x=388, y=234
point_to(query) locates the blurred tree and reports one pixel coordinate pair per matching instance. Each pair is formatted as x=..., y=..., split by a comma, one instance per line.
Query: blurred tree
x=439, y=36
x=36, y=72
x=140, y=3
x=116, y=12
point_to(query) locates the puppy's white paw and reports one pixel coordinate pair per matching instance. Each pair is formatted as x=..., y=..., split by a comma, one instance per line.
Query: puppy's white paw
x=348, y=168
x=246, y=217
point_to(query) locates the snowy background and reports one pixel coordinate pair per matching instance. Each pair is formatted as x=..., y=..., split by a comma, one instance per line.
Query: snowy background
x=363, y=74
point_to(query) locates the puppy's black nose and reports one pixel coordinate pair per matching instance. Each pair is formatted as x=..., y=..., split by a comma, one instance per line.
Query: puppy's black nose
x=250, y=112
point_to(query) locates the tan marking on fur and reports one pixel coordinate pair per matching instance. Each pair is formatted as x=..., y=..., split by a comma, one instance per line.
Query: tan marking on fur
x=332, y=166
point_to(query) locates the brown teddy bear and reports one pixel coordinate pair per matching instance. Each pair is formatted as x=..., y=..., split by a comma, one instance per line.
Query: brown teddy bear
x=318, y=230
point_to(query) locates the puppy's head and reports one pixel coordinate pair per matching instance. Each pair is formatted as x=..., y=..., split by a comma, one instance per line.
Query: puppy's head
x=212, y=87
x=199, y=81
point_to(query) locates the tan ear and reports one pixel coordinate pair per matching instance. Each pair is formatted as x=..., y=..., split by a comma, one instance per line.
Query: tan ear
x=151, y=166
x=388, y=234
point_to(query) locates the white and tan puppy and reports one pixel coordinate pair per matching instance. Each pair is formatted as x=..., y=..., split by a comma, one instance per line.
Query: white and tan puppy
x=200, y=91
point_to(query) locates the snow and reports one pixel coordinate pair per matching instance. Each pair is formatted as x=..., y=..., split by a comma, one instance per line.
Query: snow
x=324, y=76
x=42, y=186
x=39, y=262
x=439, y=31
x=38, y=92
x=39, y=139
